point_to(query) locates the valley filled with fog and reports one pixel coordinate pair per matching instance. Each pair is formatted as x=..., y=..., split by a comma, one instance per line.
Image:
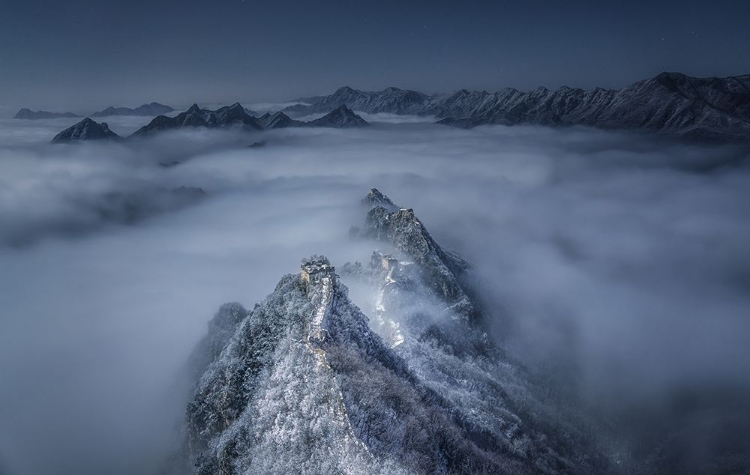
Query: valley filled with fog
x=615, y=267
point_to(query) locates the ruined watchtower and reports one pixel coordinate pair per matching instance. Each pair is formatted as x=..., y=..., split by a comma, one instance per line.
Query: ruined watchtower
x=314, y=270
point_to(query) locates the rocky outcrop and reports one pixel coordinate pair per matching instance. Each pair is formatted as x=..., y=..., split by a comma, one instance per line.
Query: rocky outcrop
x=441, y=271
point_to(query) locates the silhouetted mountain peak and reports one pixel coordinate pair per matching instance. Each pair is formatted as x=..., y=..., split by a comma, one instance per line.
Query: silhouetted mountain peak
x=86, y=129
x=193, y=109
x=341, y=117
x=279, y=120
x=345, y=90
x=28, y=114
x=670, y=76
x=146, y=110
x=227, y=116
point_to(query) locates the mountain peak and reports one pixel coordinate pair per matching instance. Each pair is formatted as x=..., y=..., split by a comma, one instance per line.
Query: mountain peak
x=670, y=79
x=227, y=116
x=669, y=75
x=391, y=100
x=232, y=112
x=341, y=117
x=441, y=270
x=305, y=369
x=86, y=129
x=278, y=120
x=345, y=90
x=376, y=198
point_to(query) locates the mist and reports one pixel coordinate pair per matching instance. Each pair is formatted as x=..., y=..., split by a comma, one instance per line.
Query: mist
x=614, y=266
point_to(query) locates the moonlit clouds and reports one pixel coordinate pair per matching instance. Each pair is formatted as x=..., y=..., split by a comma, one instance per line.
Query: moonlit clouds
x=618, y=259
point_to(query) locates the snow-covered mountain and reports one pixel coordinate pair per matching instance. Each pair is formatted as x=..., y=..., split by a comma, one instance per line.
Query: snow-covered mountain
x=305, y=382
x=86, y=129
x=440, y=271
x=342, y=118
x=145, y=110
x=29, y=114
x=670, y=103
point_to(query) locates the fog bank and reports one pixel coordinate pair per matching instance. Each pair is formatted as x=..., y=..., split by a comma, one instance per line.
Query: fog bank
x=614, y=266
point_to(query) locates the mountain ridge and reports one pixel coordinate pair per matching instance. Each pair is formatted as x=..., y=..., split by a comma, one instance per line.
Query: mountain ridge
x=28, y=114
x=227, y=116
x=714, y=109
x=234, y=115
x=702, y=109
x=145, y=110
x=304, y=383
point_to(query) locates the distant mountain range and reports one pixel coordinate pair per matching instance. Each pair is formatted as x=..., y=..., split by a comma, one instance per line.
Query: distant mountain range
x=714, y=109
x=28, y=114
x=234, y=116
x=146, y=110
x=707, y=109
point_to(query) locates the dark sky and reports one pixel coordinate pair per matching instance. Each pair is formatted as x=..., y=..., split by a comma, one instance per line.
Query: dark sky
x=80, y=54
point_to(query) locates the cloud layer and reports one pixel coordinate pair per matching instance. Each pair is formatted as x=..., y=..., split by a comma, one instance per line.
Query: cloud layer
x=615, y=265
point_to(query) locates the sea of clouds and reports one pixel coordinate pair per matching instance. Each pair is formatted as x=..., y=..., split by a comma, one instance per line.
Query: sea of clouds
x=615, y=266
